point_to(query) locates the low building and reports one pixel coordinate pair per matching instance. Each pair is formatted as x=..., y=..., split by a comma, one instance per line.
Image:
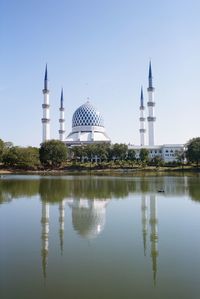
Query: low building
x=167, y=152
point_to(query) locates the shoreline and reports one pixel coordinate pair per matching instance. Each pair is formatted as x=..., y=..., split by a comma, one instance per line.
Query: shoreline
x=106, y=171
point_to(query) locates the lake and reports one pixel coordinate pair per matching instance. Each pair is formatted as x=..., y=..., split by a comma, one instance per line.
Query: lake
x=99, y=237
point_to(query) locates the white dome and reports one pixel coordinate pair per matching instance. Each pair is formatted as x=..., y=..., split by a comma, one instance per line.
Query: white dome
x=87, y=115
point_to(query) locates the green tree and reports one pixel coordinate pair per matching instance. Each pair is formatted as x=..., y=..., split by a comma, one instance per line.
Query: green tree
x=193, y=150
x=28, y=158
x=21, y=157
x=119, y=151
x=180, y=157
x=76, y=152
x=131, y=154
x=10, y=156
x=103, y=151
x=157, y=161
x=1, y=149
x=144, y=155
x=52, y=153
x=91, y=151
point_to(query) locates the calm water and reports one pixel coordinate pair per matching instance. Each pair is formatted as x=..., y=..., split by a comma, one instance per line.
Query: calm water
x=81, y=237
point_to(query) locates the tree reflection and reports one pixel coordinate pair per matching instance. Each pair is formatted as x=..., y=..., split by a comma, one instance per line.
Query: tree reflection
x=55, y=189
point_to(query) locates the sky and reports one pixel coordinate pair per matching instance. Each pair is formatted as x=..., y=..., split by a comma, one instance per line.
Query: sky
x=100, y=49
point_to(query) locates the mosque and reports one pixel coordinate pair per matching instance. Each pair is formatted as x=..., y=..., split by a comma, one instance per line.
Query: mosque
x=88, y=125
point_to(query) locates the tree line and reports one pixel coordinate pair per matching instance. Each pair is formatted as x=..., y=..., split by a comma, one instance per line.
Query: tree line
x=55, y=154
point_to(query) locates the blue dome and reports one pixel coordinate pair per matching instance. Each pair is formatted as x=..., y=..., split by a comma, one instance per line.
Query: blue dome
x=87, y=115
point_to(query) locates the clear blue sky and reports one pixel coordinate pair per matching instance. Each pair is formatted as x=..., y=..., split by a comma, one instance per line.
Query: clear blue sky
x=100, y=49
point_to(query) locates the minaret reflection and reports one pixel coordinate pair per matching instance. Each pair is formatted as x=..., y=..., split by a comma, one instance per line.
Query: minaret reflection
x=88, y=216
x=45, y=236
x=144, y=222
x=154, y=234
x=61, y=224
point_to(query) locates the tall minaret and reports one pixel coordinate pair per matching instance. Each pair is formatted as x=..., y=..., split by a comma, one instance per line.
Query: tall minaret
x=45, y=236
x=62, y=118
x=45, y=107
x=151, y=104
x=154, y=235
x=142, y=119
x=62, y=223
x=144, y=221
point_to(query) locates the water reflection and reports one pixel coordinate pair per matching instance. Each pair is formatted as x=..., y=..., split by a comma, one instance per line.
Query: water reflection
x=144, y=222
x=61, y=224
x=88, y=216
x=154, y=234
x=153, y=222
x=55, y=189
x=88, y=220
x=45, y=236
x=45, y=232
x=88, y=197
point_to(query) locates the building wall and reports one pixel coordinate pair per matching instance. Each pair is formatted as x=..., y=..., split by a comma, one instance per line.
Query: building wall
x=168, y=152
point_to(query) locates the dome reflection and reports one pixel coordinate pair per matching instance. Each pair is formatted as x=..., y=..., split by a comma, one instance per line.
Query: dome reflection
x=88, y=216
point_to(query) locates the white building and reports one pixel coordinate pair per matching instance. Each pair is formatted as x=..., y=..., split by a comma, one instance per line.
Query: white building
x=88, y=125
x=167, y=152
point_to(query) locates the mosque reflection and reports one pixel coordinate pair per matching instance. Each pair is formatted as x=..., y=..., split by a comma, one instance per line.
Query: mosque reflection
x=153, y=222
x=88, y=197
x=88, y=220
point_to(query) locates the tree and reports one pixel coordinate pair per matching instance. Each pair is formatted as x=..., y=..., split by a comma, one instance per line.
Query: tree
x=103, y=151
x=180, y=157
x=10, y=156
x=21, y=157
x=91, y=151
x=76, y=152
x=119, y=151
x=1, y=149
x=193, y=150
x=157, y=161
x=144, y=154
x=28, y=158
x=52, y=153
x=131, y=154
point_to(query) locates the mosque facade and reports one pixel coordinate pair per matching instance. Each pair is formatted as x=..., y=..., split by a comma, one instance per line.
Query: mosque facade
x=88, y=125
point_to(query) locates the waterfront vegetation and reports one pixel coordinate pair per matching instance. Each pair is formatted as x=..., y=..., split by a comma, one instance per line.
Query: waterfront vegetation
x=54, y=155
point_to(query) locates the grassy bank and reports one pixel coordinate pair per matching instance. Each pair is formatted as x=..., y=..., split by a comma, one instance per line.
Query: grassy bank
x=97, y=169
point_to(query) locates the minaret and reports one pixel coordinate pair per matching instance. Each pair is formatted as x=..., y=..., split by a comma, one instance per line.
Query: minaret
x=62, y=223
x=45, y=236
x=62, y=118
x=154, y=235
x=151, y=104
x=142, y=119
x=144, y=221
x=45, y=107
